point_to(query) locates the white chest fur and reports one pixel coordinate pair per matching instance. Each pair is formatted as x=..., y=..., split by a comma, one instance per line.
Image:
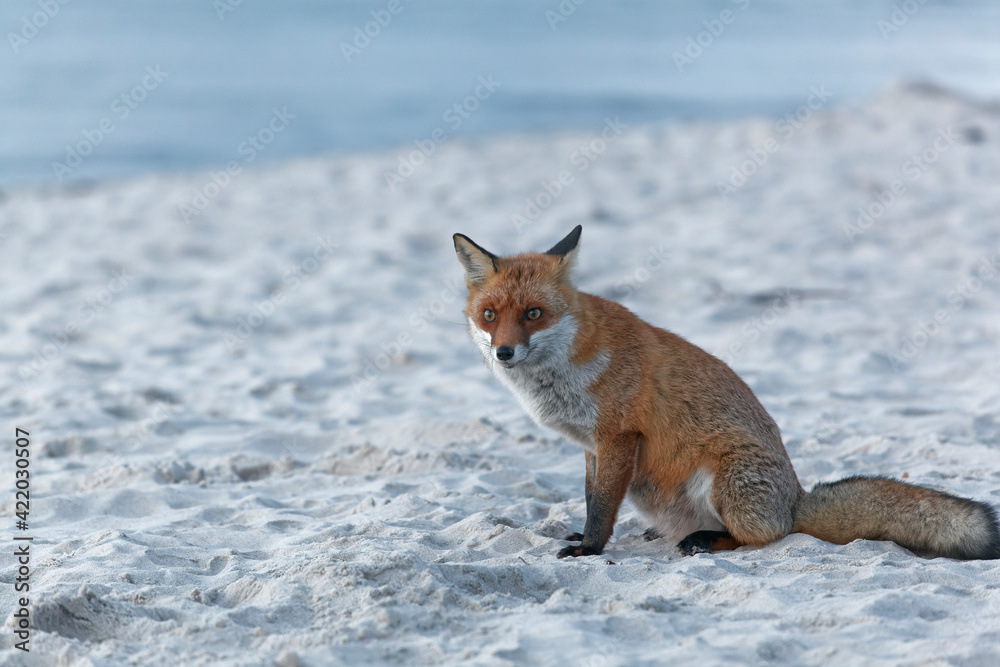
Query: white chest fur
x=553, y=389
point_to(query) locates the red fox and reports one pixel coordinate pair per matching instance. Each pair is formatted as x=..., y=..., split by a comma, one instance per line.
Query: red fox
x=675, y=428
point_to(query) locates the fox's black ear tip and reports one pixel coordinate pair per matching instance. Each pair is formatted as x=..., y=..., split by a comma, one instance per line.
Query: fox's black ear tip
x=474, y=246
x=568, y=243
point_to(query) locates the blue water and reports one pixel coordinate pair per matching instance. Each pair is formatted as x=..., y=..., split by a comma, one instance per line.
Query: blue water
x=224, y=77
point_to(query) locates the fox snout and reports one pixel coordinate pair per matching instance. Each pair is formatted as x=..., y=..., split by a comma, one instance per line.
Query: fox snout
x=510, y=340
x=510, y=354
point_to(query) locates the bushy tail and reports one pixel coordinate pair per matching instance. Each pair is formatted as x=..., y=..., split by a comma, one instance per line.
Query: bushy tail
x=926, y=522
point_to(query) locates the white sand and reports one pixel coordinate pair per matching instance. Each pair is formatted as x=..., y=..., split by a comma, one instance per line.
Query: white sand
x=197, y=503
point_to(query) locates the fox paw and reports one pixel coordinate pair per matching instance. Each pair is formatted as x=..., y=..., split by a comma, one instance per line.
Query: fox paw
x=701, y=541
x=574, y=537
x=651, y=534
x=690, y=547
x=578, y=551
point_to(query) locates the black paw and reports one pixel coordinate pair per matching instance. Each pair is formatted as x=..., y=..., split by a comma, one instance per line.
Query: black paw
x=651, y=534
x=689, y=547
x=700, y=542
x=578, y=551
x=574, y=537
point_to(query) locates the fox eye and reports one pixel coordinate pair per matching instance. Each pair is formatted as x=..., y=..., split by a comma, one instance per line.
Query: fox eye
x=489, y=315
x=534, y=313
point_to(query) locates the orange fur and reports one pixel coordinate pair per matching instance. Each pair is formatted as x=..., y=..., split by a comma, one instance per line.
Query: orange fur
x=664, y=420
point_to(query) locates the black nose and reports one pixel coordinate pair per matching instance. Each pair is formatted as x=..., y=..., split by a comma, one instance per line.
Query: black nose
x=505, y=353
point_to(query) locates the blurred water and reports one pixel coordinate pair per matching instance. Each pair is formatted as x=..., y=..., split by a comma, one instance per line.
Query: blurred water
x=224, y=72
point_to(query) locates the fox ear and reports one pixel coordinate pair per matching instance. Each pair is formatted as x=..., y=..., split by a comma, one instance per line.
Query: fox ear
x=565, y=250
x=479, y=263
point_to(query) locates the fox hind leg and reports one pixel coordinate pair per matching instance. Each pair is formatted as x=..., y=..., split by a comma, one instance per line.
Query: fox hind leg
x=755, y=491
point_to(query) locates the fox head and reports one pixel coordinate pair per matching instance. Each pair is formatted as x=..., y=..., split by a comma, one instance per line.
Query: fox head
x=520, y=307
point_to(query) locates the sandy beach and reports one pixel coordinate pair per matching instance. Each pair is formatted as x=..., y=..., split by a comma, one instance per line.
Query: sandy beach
x=261, y=435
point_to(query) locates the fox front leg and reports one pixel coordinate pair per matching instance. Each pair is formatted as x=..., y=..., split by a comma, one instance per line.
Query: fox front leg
x=588, y=493
x=613, y=466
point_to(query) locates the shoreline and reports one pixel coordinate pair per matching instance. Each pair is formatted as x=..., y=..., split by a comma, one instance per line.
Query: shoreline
x=815, y=100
